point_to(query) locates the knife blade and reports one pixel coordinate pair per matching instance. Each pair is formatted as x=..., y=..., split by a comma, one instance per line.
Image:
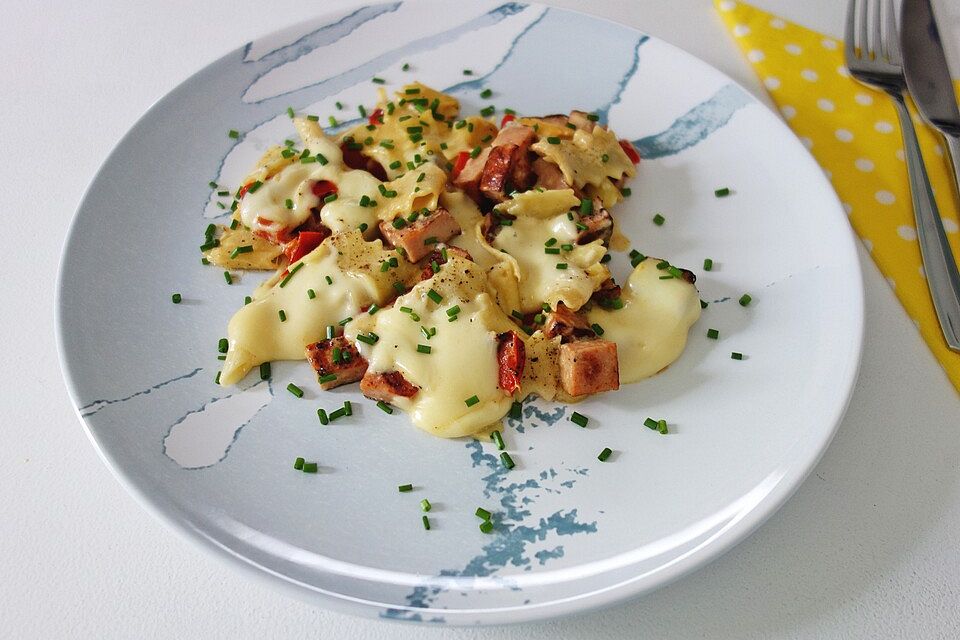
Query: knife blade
x=925, y=67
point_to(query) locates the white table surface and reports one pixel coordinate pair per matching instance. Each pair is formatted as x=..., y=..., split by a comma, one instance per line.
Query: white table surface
x=868, y=546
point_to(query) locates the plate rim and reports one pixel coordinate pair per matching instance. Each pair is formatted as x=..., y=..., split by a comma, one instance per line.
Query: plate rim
x=608, y=596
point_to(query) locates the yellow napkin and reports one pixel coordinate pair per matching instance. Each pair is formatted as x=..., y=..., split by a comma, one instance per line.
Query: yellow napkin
x=853, y=133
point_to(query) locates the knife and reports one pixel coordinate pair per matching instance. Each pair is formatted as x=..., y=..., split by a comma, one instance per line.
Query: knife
x=928, y=77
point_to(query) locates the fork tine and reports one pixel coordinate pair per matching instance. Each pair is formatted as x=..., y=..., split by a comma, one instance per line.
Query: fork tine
x=864, y=19
x=891, y=42
x=849, y=33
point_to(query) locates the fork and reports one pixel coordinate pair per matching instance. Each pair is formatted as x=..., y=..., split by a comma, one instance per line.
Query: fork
x=872, y=52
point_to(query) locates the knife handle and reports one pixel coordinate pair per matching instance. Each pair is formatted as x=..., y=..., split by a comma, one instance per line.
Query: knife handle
x=938, y=261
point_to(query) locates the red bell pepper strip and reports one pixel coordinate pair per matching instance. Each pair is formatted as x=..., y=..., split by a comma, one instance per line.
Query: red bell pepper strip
x=511, y=356
x=630, y=151
x=460, y=163
x=376, y=117
x=507, y=118
x=304, y=243
x=323, y=188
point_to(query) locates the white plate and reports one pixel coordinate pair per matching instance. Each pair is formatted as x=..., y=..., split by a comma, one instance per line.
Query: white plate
x=572, y=533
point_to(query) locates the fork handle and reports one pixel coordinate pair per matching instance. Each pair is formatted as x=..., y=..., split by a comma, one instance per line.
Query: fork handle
x=938, y=261
x=953, y=143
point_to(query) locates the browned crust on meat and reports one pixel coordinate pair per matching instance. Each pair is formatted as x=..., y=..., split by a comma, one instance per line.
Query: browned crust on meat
x=497, y=171
x=589, y=366
x=387, y=386
x=566, y=323
x=548, y=175
x=350, y=369
x=439, y=224
x=469, y=178
x=437, y=256
x=599, y=225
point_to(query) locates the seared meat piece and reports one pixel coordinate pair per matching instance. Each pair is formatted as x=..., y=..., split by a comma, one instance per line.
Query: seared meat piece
x=589, y=366
x=413, y=237
x=566, y=323
x=548, y=175
x=497, y=172
x=599, y=225
x=387, y=386
x=469, y=177
x=609, y=290
x=349, y=366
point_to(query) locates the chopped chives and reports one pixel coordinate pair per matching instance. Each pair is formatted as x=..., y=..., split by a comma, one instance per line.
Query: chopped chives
x=322, y=415
x=330, y=198
x=322, y=159
x=550, y=242
x=212, y=184
x=713, y=334
x=383, y=406
x=586, y=207
x=561, y=265
x=553, y=140
x=434, y=266
x=345, y=321
x=507, y=460
x=579, y=419
x=254, y=186
x=567, y=247
x=516, y=410
x=745, y=299
x=650, y=423
x=659, y=220
x=488, y=111
x=707, y=264
x=223, y=345
x=552, y=251
x=475, y=152
x=422, y=348
x=339, y=105
x=244, y=248
x=265, y=371
x=331, y=332
x=313, y=118
x=662, y=426
x=723, y=191
x=332, y=121
x=472, y=400
x=539, y=318
x=289, y=275
x=406, y=66
x=486, y=526
x=704, y=304
x=626, y=191
x=311, y=294
x=217, y=379
x=498, y=439
x=330, y=377
x=362, y=110
x=425, y=504
x=288, y=203
x=516, y=314
x=221, y=357
x=433, y=295
x=227, y=277
x=373, y=309
x=467, y=72
x=736, y=355
x=377, y=80
x=339, y=413
x=426, y=523
x=295, y=390
x=604, y=454
x=366, y=339
x=310, y=467
x=233, y=133
x=663, y=264
x=486, y=93
x=210, y=244
x=283, y=315
x=426, y=332
x=298, y=464
x=405, y=488
x=406, y=310
x=363, y=227
x=176, y=298
x=482, y=513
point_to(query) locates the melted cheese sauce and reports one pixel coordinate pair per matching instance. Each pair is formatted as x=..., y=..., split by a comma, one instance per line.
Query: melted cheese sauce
x=463, y=358
x=651, y=328
x=540, y=280
x=256, y=333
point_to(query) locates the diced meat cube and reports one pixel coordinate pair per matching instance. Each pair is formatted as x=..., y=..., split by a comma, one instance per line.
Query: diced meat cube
x=496, y=172
x=511, y=356
x=580, y=120
x=517, y=134
x=355, y=159
x=557, y=119
x=589, y=366
x=469, y=177
x=387, y=387
x=349, y=366
x=437, y=256
x=413, y=237
x=599, y=225
x=549, y=175
x=521, y=172
x=566, y=323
